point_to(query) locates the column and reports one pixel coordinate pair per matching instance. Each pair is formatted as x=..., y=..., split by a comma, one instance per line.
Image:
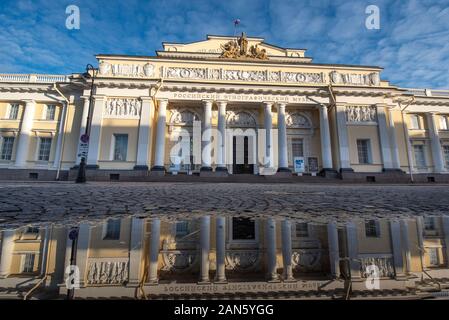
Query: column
x=353, y=250
x=45, y=250
x=25, y=133
x=410, y=161
x=396, y=244
x=160, y=136
x=221, y=142
x=384, y=137
x=6, y=253
x=204, y=248
x=206, y=159
x=287, y=250
x=420, y=231
x=326, y=148
x=282, y=139
x=95, y=132
x=84, y=117
x=393, y=142
x=82, y=250
x=143, y=144
x=220, y=243
x=445, y=221
x=342, y=132
x=270, y=231
x=406, y=245
x=135, y=250
x=58, y=151
x=334, y=251
x=154, y=250
x=437, y=153
x=268, y=122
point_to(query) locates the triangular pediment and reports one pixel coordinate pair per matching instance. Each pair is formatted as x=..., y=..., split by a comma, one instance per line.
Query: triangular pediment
x=213, y=46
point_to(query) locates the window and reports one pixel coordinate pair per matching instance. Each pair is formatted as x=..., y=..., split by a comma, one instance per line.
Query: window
x=297, y=148
x=28, y=264
x=243, y=229
x=420, y=158
x=13, y=111
x=50, y=112
x=112, y=230
x=120, y=147
x=182, y=229
x=32, y=230
x=44, y=149
x=7, y=145
x=415, y=121
x=433, y=257
x=372, y=229
x=363, y=151
x=444, y=122
x=429, y=223
x=446, y=155
x=302, y=230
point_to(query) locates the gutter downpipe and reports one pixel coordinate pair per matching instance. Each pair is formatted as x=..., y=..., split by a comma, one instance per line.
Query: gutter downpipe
x=407, y=140
x=64, y=127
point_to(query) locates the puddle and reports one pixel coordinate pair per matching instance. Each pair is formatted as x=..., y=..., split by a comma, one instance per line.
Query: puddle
x=226, y=257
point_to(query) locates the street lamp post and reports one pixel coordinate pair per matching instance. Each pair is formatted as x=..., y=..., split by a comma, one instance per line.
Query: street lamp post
x=81, y=177
x=73, y=235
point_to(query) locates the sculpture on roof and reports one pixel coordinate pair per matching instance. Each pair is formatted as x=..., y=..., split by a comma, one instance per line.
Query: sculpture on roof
x=238, y=49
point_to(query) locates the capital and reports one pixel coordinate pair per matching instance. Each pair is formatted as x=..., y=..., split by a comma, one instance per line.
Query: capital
x=281, y=105
x=222, y=103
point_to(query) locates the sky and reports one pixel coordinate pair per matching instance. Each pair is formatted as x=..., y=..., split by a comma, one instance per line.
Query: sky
x=412, y=42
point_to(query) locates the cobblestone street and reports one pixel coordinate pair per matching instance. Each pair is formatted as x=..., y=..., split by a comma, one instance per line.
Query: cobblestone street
x=67, y=203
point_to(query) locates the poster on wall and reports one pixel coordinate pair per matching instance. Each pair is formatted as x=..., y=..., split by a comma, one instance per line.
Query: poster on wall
x=299, y=164
x=313, y=164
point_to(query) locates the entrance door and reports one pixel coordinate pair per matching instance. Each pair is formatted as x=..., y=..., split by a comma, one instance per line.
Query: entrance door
x=242, y=167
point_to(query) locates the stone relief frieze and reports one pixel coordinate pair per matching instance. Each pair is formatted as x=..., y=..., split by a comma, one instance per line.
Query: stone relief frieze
x=243, y=260
x=126, y=70
x=183, y=117
x=297, y=120
x=179, y=260
x=306, y=260
x=107, y=272
x=361, y=114
x=371, y=79
x=186, y=73
x=128, y=108
x=385, y=265
x=240, y=119
x=243, y=75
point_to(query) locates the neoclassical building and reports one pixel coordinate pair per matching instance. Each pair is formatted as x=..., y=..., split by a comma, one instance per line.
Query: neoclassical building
x=222, y=107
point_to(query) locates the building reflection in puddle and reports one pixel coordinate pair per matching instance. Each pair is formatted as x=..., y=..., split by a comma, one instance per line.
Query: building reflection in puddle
x=227, y=257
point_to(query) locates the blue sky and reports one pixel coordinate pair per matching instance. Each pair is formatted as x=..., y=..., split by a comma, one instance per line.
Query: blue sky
x=412, y=43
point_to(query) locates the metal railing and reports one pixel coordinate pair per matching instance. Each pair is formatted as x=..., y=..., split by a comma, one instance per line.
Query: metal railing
x=37, y=285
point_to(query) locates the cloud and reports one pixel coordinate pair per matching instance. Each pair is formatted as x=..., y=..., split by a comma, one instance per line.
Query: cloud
x=412, y=44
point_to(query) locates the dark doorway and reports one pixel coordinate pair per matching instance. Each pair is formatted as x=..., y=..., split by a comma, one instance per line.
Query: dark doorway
x=243, y=229
x=245, y=167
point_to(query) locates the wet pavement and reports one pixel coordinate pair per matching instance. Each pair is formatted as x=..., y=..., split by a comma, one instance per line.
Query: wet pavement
x=69, y=203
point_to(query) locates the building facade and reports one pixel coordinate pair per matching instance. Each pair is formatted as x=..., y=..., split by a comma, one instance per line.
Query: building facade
x=257, y=106
x=224, y=256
